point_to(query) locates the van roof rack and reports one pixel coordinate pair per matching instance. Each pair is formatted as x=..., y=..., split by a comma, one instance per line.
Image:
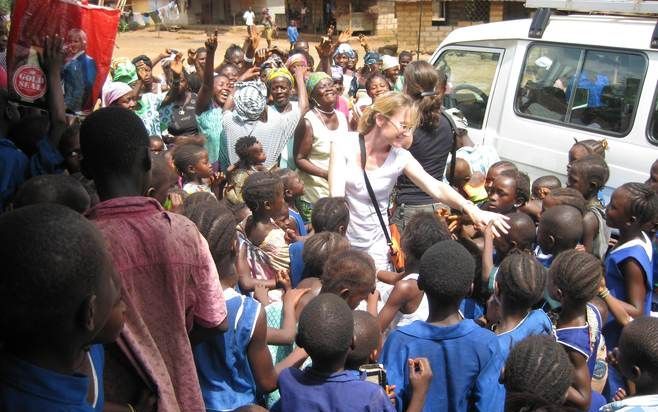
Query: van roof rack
x=637, y=7
x=627, y=7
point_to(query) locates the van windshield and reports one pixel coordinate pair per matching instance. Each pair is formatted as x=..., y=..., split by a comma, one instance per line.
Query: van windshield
x=584, y=88
x=470, y=76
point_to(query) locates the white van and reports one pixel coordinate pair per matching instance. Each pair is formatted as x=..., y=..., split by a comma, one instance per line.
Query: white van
x=578, y=77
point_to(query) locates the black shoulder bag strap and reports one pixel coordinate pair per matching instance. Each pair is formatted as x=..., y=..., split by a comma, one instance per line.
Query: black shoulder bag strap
x=453, y=149
x=373, y=198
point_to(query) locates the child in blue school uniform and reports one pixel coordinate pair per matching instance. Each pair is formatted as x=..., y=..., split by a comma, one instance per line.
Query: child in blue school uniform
x=574, y=279
x=629, y=267
x=59, y=299
x=330, y=214
x=465, y=358
x=293, y=33
x=235, y=367
x=520, y=285
x=327, y=385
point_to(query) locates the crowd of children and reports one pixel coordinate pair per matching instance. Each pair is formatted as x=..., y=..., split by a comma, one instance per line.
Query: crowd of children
x=179, y=251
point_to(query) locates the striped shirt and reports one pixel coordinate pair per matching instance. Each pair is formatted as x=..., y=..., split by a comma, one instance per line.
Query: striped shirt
x=273, y=134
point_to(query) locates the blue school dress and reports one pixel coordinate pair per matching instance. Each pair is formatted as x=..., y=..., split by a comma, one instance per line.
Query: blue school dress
x=465, y=360
x=535, y=323
x=641, y=250
x=225, y=375
x=543, y=258
x=28, y=388
x=585, y=340
x=301, y=227
x=296, y=262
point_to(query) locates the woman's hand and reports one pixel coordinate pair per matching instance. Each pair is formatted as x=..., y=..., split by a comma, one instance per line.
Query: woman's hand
x=176, y=65
x=324, y=48
x=363, y=41
x=211, y=42
x=345, y=36
x=52, y=56
x=250, y=74
x=482, y=218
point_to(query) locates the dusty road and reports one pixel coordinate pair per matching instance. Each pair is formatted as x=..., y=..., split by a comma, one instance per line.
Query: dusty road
x=150, y=42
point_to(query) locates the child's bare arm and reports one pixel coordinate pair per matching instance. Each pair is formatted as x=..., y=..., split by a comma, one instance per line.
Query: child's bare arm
x=590, y=229
x=402, y=293
x=487, y=254
x=579, y=393
x=259, y=357
x=286, y=335
x=389, y=277
x=613, y=305
x=294, y=360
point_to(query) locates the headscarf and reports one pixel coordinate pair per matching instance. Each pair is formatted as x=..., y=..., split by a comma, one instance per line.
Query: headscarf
x=389, y=62
x=122, y=70
x=313, y=80
x=113, y=91
x=294, y=59
x=280, y=72
x=371, y=58
x=273, y=61
x=250, y=99
x=345, y=49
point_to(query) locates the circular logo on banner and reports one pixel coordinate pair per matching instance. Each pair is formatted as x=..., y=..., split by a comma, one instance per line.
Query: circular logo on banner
x=29, y=82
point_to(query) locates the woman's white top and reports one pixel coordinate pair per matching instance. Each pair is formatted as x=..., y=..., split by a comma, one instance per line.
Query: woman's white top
x=364, y=230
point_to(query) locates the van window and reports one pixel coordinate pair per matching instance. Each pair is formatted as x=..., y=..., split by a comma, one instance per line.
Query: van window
x=591, y=89
x=470, y=76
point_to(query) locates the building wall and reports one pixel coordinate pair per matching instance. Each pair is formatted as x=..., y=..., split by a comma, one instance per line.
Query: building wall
x=458, y=14
x=496, y=11
x=408, y=15
x=387, y=21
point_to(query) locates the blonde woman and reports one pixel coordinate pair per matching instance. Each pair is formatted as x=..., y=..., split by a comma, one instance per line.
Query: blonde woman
x=385, y=129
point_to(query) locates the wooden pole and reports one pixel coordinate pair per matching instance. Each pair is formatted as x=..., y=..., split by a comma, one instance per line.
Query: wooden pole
x=350, y=11
x=420, y=25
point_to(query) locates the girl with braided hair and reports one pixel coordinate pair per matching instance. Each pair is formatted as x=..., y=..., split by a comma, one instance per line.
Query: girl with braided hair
x=629, y=266
x=266, y=244
x=234, y=366
x=520, y=284
x=536, y=375
x=574, y=279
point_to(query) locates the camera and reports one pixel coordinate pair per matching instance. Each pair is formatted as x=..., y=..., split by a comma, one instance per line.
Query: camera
x=375, y=373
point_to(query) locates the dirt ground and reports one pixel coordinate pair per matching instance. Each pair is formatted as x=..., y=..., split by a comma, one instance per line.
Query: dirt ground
x=151, y=42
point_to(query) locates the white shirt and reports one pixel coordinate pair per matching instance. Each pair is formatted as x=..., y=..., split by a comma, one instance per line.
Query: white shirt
x=364, y=230
x=249, y=17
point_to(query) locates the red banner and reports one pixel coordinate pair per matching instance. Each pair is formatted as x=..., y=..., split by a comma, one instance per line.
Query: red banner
x=89, y=33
